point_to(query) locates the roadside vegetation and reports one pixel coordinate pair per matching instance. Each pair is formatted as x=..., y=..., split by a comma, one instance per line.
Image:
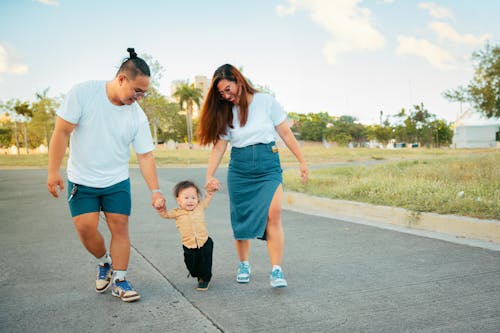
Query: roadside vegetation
x=466, y=184
x=444, y=181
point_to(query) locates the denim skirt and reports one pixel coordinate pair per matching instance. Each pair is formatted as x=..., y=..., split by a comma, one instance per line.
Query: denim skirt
x=254, y=174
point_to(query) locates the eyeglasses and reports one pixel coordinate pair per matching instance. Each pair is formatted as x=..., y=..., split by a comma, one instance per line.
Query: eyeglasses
x=138, y=94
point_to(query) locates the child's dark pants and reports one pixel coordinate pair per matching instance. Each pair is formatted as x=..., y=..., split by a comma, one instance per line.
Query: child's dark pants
x=199, y=261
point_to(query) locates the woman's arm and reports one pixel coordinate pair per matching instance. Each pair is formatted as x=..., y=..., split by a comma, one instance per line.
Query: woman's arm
x=287, y=136
x=214, y=160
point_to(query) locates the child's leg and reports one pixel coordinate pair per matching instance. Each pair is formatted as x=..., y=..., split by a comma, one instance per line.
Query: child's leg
x=205, y=262
x=191, y=261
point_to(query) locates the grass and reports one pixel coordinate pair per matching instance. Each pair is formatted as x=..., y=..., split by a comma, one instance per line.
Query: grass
x=422, y=180
x=420, y=185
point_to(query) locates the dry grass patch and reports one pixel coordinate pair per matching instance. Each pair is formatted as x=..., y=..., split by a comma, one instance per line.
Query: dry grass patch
x=467, y=185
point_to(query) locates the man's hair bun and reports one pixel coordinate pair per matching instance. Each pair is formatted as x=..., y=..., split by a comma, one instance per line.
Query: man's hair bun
x=132, y=53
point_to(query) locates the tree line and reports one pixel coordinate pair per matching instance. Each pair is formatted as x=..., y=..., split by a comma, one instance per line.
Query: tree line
x=27, y=124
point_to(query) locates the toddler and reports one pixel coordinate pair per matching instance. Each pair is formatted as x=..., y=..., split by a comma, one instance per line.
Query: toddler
x=190, y=220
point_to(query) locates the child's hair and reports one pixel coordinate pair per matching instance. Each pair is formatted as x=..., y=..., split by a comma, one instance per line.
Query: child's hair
x=184, y=185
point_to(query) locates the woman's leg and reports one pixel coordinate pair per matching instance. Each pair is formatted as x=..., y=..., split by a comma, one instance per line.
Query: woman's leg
x=274, y=230
x=243, y=249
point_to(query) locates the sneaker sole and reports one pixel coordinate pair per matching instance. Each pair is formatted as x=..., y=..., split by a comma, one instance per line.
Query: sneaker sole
x=242, y=280
x=279, y=284
x=128, y=299
x=204, y=289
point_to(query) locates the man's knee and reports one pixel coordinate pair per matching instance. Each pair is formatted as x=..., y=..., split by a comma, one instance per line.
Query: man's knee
x=86, y=224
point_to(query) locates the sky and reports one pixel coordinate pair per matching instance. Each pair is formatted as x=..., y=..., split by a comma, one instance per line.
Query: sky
x=344, y=57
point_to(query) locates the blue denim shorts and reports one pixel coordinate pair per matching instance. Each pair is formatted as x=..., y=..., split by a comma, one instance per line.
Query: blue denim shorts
x=113, y=199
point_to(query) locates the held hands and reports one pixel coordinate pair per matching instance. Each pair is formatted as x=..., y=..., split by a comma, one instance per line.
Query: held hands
x=158, y=201
x=212, y=185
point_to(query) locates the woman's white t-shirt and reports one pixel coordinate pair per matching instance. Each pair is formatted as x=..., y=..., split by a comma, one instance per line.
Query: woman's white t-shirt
x=264, y=114
x=100, y=143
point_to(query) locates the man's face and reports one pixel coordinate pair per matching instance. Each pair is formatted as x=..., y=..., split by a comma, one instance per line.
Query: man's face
x=133, y=90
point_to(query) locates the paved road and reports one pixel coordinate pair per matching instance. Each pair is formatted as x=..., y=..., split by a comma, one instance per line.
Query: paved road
x=343, y=277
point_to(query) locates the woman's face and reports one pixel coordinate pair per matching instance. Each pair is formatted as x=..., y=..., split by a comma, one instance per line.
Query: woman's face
x=229, y=91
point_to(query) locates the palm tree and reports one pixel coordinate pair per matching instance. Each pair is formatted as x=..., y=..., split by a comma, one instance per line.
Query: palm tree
x=188, y=95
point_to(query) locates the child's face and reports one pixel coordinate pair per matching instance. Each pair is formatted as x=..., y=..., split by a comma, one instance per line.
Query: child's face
x=188, y=198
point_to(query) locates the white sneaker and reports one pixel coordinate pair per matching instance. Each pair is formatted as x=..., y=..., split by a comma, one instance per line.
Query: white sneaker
x=277, y=279
x=243, y=275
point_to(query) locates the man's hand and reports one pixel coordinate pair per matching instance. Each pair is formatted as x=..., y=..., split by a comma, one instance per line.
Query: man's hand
x=158, y=201
x=54, y=180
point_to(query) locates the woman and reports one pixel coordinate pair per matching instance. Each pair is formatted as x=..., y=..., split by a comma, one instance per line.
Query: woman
x=236, y=112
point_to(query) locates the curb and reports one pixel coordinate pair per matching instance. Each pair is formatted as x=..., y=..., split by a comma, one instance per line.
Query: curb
x=387, y=217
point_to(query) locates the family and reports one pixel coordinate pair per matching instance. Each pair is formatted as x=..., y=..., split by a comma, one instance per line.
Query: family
x=101, y=119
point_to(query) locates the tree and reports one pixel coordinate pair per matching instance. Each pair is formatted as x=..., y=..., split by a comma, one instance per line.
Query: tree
x=457, y=95
x=42, y=123
x=483, y=91
x=153, y=105
x=188, y=95
x=380, y=133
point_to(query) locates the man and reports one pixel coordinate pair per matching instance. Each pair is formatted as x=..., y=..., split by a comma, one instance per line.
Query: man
x=101, y=119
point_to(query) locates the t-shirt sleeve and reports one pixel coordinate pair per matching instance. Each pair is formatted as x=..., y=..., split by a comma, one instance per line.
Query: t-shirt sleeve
x=72, y=108
x=143, y=141
x=225, y=136
x=276, y=112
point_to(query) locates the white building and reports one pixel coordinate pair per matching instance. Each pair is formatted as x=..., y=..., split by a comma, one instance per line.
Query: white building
x=473, y=131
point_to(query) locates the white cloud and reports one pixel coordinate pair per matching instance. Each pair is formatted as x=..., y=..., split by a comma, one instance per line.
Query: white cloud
x=9, y=64
x=48, y=2
x=349, y=25
x=388, y=1
x=445, y=31
x=435, y=55
x=436, y=10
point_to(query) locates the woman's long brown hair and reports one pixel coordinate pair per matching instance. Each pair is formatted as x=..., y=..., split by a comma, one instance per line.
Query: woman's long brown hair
x=216, y=113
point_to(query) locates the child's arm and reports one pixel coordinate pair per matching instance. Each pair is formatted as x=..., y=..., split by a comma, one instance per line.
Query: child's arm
x=165, y=213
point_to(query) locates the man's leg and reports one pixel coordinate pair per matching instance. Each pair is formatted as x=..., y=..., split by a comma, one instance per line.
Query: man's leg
x=91, y=238
x=120, y=252
x=87, y=228
x=120, y=241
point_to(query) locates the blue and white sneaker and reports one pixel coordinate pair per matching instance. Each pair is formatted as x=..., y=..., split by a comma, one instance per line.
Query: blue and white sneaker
x=124, y=290
x=277, y=278
x=243, y=275
x=103, y=279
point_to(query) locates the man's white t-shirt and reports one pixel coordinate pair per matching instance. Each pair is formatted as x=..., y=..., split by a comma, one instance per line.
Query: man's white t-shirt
x=264, y=113
x=100, y=143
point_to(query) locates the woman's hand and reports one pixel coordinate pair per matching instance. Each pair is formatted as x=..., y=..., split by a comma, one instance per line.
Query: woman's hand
x=212, y=184
x=304, y=172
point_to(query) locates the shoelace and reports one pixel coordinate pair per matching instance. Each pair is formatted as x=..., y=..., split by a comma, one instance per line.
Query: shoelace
x=103, y=271
x=124, y=285
x=277, y=274
x=244, y=269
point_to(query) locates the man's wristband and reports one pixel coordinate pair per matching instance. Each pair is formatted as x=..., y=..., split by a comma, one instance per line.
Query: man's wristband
x=156, y=190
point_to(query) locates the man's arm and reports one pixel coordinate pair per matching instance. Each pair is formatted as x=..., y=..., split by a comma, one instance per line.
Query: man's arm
x=57, y=149
x=148, y=171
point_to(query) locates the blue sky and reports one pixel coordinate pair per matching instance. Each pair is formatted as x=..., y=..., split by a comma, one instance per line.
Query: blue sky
x=345, y=57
